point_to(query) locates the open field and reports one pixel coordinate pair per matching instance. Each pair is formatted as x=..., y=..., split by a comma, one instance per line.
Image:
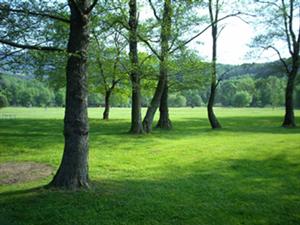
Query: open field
x=246, y=173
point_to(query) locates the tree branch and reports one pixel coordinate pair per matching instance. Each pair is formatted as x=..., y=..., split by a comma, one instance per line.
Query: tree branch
x=139, y=36
x=114, y=83
x=145, y=59
x=5, y=55
x=31, y=47
x=91, y=7
x=280, y=58
x=286, y=27
x=201, y=32
x=154, y=10
x=149, y=45
x=268, y=2
x=291, y=17
x=41, y=14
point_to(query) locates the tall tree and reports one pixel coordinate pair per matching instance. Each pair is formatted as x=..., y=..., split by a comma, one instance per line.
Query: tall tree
x=162, y=86
x=107, y=69
x=281, y=24
x=129, y=20
x=136, y=117
x=214, y=9
x=73, y=170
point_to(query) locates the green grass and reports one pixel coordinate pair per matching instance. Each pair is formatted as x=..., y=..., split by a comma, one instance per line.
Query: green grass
x=246, y=173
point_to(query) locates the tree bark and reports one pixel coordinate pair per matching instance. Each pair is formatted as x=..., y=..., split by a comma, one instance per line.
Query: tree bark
x=106, y=105
x=289, y=118
x=164, y=121
x=136, y=117
x=155, y=101
x=163, y=71
x=210, y=111
x=73, y=171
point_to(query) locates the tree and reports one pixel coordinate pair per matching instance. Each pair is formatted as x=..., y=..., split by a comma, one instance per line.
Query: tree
x=194, y=100
x=160, y=96
x=177, y=100
x=73, y=170
x=276, y=91
x=187, y=76
x=60, y=96
x=136, y=117
x=214, y=8
x=227, y=89
x=172, y=20
x=241, y=99
x=3, y=101
x=107, y=58
x=25, y=97
x=128, y=19
x=280, y=17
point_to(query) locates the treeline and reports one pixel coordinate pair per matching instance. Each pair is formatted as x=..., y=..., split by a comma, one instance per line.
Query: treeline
x=240, y=91
x=29, y=92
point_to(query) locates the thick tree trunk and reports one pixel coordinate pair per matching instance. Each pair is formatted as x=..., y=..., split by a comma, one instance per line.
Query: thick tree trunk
x=151, y=110
x=136, y=117
x=164, y=121
x=106, y=105
x=163, y=71
x=73, y=170
x=210, y=111
x=289, y=118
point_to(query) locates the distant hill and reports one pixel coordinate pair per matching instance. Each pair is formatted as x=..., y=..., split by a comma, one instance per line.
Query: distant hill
x=257, y=70
x=226, y=71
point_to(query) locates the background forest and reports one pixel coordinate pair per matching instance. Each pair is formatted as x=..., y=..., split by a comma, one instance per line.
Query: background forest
x=246, y=85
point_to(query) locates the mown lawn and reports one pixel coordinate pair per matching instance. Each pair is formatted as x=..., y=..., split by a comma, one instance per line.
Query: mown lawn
x=246, y=173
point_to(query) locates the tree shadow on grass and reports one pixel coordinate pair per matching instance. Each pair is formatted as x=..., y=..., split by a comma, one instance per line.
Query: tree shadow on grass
x=30, y=133
x=192, y=126
x=270, y=124
x=237, y=191
x=36, y=134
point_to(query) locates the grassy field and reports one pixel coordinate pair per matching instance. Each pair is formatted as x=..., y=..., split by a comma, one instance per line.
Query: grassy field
x=246, y=173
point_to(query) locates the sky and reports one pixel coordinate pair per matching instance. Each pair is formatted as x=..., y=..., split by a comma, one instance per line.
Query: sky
x=233, y=42
x=233, y=46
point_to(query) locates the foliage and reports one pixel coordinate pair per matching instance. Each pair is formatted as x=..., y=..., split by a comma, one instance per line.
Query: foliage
x=261, y=91
x=193, y=98
x=60, y=96
x=3, y=101
x=24, y=28
x=241, y=99
x=95, y=100
x=177, y=101
x=297, y=97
